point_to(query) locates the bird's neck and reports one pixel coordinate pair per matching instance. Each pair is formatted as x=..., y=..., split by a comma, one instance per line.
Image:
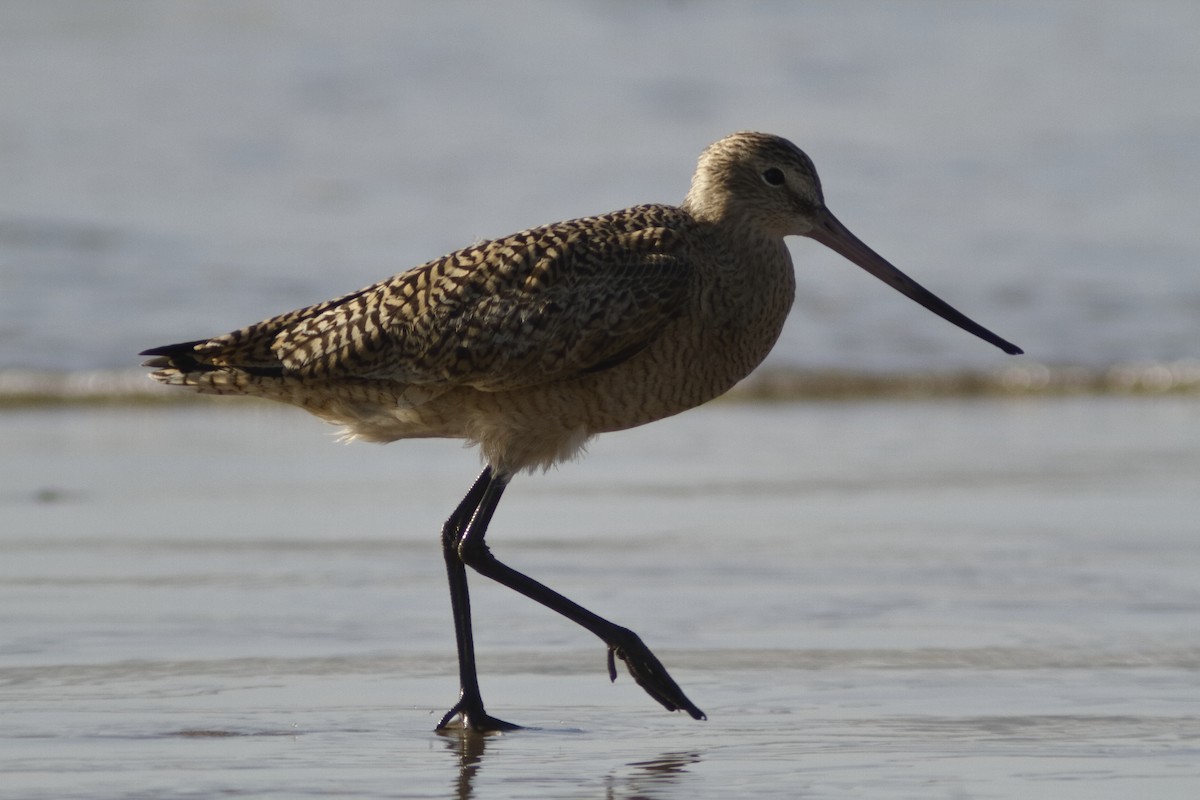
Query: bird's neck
x=707, y=203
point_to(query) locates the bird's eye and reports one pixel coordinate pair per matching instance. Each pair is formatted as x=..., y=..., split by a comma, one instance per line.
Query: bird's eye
x=774, y=176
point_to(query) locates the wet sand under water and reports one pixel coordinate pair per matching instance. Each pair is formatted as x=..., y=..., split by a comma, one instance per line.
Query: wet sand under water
x=953, y=599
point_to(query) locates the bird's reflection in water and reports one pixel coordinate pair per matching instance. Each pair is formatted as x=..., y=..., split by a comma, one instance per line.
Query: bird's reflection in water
x=469, y=747
x=637, y=780
x=652, y=778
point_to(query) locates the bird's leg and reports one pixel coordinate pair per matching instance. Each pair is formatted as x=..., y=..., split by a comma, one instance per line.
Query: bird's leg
x=470, y=702
x=623, y=643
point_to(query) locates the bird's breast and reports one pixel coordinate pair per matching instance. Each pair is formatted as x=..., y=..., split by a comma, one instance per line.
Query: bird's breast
x=732, y=320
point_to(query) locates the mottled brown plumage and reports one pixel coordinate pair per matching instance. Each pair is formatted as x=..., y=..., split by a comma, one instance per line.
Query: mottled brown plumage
x=570, y=329
x=531, y=344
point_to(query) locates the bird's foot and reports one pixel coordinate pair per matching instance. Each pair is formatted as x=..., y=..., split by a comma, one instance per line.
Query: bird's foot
x=649, y=673
x=472, y=718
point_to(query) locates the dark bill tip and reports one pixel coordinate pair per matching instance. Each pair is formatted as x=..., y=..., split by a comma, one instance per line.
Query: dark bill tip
x=838, y=238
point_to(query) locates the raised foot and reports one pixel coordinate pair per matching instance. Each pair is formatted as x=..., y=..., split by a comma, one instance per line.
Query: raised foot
x=649, y=673
x=472, y=718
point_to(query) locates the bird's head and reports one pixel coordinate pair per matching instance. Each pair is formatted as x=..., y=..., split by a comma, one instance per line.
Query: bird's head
x=765, y=185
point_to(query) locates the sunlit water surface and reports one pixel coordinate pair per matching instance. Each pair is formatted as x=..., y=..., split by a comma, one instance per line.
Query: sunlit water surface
x=968, y=599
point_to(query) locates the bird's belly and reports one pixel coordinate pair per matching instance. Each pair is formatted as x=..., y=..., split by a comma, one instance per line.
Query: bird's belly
x=549, y=423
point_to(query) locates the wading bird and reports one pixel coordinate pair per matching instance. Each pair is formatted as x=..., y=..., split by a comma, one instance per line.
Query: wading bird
x=529, y=345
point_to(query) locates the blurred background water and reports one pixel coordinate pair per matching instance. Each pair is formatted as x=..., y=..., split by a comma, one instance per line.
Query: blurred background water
x=175, y=170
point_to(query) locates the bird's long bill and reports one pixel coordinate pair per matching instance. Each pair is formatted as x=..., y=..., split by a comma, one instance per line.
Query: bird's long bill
x=838, y=238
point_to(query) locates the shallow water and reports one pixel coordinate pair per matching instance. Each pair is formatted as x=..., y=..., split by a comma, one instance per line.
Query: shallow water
x=903, y=599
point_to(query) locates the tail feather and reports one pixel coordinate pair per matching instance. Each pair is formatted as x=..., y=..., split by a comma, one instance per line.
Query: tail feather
x=188, y=357
x=181, y=357
x=185, y=364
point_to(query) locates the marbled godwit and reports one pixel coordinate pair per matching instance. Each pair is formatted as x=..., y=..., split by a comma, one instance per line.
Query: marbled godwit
x=530, y=345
